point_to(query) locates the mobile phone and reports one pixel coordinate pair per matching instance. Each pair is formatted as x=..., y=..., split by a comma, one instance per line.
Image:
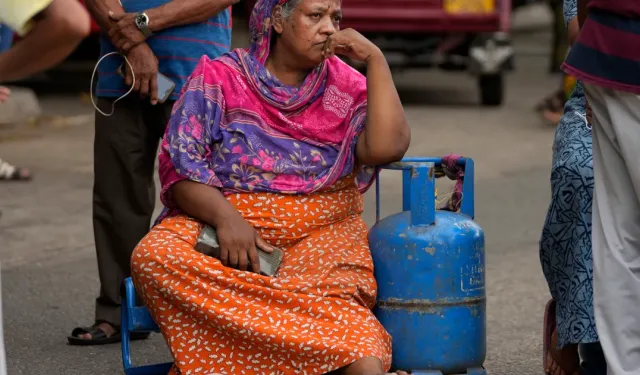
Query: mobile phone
x=165, y=85
x=207, y=243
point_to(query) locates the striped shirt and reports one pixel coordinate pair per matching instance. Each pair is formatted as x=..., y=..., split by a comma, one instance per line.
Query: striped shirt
x=177, y=49
x=607, y=52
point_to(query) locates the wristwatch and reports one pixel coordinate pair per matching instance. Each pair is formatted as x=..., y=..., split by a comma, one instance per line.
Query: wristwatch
x=142, y=23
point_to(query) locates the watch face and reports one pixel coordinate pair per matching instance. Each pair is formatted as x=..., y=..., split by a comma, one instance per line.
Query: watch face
x=142, y=20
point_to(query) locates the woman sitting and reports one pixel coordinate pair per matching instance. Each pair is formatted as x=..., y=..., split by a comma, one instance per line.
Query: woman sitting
x=273, y=147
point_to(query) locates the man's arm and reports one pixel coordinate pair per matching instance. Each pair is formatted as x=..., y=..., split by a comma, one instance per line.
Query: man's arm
x=55, y=33
x=100, y=9
x=124, y=34
x=184, y=12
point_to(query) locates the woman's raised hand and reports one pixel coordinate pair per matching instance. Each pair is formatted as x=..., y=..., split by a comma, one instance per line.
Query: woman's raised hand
x=351, y=44
x=239, y=242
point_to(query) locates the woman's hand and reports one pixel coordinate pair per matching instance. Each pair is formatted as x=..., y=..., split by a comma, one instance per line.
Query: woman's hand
x=237, y=239
x=351, y=44
x=239, y=242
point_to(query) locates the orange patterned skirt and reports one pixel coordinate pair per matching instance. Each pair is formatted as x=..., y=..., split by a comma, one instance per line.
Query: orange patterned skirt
x=313, y=318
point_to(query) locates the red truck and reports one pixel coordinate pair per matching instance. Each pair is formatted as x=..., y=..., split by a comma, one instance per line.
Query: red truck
x=458, y=35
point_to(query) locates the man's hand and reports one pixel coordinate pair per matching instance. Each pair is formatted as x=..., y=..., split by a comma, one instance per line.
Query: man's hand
x=124, y=33
x=145, y=67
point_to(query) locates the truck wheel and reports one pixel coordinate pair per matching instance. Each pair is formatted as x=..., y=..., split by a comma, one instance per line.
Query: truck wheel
x=491, y=89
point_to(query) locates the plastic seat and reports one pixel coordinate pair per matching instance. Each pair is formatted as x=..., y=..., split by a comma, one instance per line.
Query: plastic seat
x=137, y=319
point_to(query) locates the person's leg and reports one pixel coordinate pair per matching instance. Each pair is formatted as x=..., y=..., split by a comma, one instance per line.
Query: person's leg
x=123, y=197
x=9, y=172
x=616, y=226
x=559, y=43
x=565, y=243
x=125, y=149
x=593, y=362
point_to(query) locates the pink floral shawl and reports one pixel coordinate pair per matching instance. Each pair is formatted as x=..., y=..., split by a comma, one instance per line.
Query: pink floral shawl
x=237, y=128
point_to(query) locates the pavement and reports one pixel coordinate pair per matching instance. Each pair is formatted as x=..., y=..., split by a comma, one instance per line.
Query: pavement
x=49, y=272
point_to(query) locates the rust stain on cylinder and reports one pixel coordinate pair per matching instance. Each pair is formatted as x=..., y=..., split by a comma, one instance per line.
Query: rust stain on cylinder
x=423, y=304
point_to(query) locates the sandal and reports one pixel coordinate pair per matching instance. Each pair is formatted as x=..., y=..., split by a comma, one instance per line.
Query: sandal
x=553, y=118
x=10, y=172
x=99, y=337
x=552, y=108
x=554, y=102
x=547, y=334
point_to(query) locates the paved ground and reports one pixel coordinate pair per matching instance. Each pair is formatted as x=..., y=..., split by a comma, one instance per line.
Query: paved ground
x=48, y=262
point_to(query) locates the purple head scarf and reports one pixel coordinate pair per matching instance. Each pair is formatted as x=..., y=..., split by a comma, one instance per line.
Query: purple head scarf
x=253, y=63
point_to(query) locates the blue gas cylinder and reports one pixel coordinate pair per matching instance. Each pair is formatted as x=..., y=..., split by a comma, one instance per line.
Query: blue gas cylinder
x=429, y=266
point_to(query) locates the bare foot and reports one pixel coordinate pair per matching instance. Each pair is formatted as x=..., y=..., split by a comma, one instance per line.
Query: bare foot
x=107, y=328
x=552, y=117
x=564, y=361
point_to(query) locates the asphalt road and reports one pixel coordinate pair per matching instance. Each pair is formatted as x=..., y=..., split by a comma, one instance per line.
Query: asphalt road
x=49, y=272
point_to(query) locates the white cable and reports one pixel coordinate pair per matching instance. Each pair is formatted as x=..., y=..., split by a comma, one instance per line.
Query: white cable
x=113, y=104
x=584, y=118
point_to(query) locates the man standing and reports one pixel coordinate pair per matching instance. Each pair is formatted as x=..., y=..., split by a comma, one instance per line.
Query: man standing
x=166, y=36
x=606, y=57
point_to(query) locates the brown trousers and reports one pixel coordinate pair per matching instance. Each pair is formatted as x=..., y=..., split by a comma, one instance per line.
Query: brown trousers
x=125, y=150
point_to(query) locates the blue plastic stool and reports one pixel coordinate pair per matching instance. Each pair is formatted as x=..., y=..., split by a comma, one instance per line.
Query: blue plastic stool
x=137, y=319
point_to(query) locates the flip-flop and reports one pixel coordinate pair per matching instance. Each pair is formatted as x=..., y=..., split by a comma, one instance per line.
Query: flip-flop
x=554, y=102
x=550, y=117
x=550, y=325
x=98, y=337
x=547, y=331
